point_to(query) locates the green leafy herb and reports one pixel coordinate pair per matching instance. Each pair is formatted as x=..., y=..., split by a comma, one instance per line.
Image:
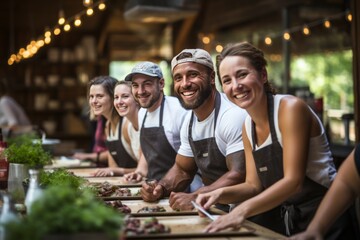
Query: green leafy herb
x=64, y=210
x=28, y=152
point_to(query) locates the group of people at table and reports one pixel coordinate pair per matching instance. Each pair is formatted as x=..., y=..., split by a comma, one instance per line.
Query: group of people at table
x=259, y=155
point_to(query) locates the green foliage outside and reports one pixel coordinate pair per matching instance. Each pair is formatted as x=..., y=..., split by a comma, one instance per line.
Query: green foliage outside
x=329, y=75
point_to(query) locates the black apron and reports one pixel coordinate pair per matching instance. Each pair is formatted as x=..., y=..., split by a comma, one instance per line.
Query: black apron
x=159, y=154
x=118, y=151
x=295, y=214
x=210, y=161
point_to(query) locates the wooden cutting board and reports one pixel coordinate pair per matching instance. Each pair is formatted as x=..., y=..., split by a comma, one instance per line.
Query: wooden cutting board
x=136, y=205
x=188, y=227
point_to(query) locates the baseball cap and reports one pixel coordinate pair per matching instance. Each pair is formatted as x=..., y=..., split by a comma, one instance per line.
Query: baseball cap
x=147, y=68
x=193, y=55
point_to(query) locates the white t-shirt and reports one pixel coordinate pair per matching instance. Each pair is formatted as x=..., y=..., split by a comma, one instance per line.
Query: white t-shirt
x=134, y=147
x=173, y=117
x=320, y=167
x=228, y=132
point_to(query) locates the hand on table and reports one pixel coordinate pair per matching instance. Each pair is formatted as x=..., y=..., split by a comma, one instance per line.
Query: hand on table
x=133, y=177
x=104, y=172
x=181, y=201
x=206, y=200
x=232, y=220
x=151, y=192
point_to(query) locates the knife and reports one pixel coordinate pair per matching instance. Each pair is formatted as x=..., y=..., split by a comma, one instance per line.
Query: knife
x=201, y=209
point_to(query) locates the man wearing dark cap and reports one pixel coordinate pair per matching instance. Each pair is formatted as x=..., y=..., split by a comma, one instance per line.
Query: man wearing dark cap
x=211, y=136
x=160, y=118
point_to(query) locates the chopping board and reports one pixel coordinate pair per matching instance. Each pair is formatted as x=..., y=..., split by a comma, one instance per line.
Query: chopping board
x=119, y=181
x=136, y=205
x=189, y=227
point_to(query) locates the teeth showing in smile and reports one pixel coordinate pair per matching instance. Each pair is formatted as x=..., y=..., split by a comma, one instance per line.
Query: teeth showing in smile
x=239, y=96
x=188, y=93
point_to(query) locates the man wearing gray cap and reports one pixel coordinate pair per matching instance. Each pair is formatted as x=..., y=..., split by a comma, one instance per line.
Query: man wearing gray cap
x=160, y=118
x=211, y=136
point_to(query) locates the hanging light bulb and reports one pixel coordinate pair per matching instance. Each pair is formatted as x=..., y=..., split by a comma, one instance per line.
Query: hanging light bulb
x=268, y=41
x=102, y=6
x=306, y=30
x=77, y=21
x=57, y=31
x=47, y=40
x=219, y=48
x=89, y=11
x=61, y=20
x=327, y=23
x=286, y=36
x=67, y=27
x=47, y=33
x=349, y=16
x=87, y=3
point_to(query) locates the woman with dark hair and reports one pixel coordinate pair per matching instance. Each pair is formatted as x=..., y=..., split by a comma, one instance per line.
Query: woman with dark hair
x=289, y=166
x=101, y=100
x=129, y=142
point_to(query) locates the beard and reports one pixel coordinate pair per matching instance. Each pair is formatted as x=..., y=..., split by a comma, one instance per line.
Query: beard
x=151, y=101
x=203, y=95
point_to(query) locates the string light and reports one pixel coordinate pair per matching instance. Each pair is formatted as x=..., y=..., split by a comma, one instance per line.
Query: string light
x=268, y=41
x=349, y=17
x=327, y=23
x=89, y=11
x=87, y=3
x=57, y=31
x=306, y=30
x=102, y=6
x=287, y=36
x=61, y=20
x=77, y=21
x=34, y=46
x=67, y=27
x=219, y=48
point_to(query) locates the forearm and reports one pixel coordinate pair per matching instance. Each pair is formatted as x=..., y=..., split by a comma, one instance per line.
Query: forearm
x=228, y=179
x=142, y=167
x=332, y=207
x=176, y=180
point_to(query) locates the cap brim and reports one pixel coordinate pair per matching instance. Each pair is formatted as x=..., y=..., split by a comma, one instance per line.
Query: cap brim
x=130, y=75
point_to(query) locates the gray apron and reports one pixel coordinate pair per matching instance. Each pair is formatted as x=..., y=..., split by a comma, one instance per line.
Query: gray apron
x=208, y=158
x=294, y=215
x=159, y=154
x=119, y=153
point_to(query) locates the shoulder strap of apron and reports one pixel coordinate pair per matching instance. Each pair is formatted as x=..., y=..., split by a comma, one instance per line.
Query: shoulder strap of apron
x=270, y=108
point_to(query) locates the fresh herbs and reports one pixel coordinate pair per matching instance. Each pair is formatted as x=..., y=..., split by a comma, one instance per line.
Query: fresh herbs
x=65, y=211
x=29, y=153
x=59, y=177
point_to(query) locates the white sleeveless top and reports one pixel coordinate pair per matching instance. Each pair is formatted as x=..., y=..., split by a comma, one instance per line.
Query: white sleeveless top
x=320, y=167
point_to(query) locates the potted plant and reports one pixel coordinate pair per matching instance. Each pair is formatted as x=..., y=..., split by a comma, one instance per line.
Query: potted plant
x=66, y=213
x=21, y=156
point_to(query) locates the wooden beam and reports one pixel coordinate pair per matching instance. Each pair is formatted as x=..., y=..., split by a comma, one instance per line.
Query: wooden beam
x=183, y=34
